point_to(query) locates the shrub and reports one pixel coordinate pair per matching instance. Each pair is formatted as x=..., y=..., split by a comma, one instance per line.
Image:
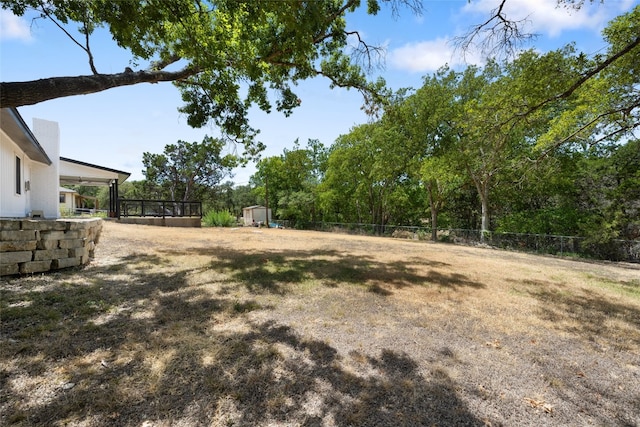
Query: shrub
x=219, y=219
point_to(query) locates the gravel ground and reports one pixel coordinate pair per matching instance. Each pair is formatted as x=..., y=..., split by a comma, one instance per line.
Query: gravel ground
x=263, y=327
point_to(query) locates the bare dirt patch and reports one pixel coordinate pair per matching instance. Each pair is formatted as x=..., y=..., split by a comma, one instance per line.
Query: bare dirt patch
x=265, y=327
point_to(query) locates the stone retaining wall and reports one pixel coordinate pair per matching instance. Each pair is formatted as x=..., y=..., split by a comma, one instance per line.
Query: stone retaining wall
x=34, y=246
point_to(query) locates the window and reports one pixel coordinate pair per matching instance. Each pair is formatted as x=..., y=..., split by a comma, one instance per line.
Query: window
x=62, y=198
x=18, y=175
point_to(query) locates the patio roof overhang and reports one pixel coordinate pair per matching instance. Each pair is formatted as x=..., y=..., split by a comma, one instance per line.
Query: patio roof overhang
x=75, y=172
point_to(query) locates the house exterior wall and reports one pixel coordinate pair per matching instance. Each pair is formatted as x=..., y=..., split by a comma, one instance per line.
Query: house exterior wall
x=13, y=205
x=27, y=183
x=45, y=179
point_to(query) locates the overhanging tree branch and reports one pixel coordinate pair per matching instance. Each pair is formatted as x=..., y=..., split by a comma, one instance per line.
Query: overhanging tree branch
x=164, y=63
x=498, y=33
x=16, y=94
x=604, y=64
x=623, y=128
x=576, y=85
x=85, y=30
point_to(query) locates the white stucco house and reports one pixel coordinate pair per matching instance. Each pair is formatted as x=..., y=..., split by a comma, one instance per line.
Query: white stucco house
x=30, y=162
x=32, y=171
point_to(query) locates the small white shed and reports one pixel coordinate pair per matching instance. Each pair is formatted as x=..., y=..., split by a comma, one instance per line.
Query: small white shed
x=255, y=214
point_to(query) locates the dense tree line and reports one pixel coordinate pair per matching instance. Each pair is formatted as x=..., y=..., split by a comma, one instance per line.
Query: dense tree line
x=516, y=146
x=543, y=143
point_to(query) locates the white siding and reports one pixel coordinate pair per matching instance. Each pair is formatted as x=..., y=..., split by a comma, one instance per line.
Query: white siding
x=11, y=204
x=45, y=180
x=27, y=179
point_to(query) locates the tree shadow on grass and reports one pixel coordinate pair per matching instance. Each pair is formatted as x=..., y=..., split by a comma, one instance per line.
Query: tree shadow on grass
x=587, y=313
x=274, y=272
x=124, y=345
x=310, y=385
x=246, y=379
x=597, y=380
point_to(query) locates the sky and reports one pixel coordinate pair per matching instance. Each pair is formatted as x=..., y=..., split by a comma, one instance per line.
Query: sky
x=115, y=127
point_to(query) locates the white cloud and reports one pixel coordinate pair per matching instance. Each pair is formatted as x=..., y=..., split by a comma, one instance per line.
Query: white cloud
x=428, y=56
x=543, y=17
x=13, y=27
x=546, y=17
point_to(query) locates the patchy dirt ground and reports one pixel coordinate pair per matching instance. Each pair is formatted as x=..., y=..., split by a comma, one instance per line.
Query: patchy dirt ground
x=264, y=327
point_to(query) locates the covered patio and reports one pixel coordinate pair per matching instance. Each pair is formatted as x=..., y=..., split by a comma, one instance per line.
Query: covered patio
x=75, y=172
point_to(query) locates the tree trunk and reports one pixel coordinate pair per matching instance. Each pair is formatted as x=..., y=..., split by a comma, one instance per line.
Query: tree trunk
x=482, y=185
x=266, y=199
x=484, y=197
x=434, y=212
x=434, y=224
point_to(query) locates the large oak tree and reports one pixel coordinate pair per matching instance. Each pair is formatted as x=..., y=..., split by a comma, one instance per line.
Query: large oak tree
x=225, y=56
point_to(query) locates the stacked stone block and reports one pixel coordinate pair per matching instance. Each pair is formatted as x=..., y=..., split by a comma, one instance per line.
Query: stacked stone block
x=33, y=246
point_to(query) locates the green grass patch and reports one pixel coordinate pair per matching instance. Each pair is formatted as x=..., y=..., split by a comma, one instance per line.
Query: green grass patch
x=629, y=288
x=34, y=313
x=245, y=307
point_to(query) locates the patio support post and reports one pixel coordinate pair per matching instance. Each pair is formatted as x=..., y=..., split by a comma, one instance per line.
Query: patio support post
x=116, y=202
x=114, y=206
x=111, y=211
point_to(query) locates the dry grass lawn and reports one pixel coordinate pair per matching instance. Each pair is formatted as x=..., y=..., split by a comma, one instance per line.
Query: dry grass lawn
x=248, y=327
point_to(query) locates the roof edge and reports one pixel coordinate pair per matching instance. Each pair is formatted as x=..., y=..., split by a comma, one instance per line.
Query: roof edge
x=90, y=165
x=35, y=150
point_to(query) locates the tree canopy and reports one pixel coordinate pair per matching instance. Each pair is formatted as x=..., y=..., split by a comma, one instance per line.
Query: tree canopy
x=224, y=56
x=527, y=145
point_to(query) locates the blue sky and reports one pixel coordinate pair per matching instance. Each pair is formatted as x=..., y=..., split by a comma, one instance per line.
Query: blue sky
x=113, y=128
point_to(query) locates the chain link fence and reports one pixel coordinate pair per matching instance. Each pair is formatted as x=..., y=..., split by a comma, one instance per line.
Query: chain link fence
x=569, y=246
